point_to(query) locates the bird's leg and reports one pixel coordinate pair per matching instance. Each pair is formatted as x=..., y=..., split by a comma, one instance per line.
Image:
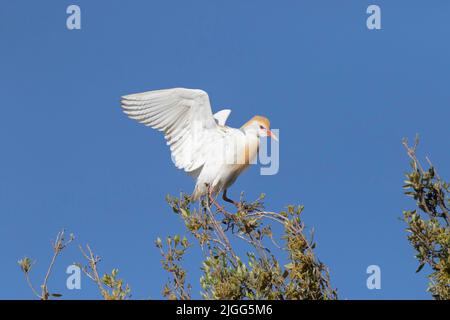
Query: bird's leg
x=225, y=198
x=209, y=197
x=212, y=200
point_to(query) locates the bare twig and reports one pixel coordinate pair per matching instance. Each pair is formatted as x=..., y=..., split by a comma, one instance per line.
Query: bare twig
x=30, y=284
x=26, y=265
x=58, y=246
x=93, y=260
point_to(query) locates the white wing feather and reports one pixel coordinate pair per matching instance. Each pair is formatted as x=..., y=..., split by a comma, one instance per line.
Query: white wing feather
x=222, y=116
x=185, y=117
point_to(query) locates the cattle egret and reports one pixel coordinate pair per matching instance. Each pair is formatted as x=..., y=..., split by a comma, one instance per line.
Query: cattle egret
x=200, y=142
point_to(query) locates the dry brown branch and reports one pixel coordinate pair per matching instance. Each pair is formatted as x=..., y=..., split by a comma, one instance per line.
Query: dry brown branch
x=26, y=265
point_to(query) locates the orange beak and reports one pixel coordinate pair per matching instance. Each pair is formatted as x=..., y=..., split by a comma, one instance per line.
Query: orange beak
x=272, y=135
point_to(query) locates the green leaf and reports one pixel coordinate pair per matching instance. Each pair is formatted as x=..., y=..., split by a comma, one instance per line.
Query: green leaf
x=289, y=266
x=420, y=267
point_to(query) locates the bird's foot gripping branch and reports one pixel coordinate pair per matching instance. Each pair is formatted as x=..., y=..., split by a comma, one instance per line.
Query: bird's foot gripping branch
x=274, y=259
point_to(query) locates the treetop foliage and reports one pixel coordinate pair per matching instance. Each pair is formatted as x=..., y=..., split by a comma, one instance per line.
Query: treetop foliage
x=254, y=274
x=428, y=225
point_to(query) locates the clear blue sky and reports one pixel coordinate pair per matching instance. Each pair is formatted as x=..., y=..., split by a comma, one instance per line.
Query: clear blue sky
x=341, y=95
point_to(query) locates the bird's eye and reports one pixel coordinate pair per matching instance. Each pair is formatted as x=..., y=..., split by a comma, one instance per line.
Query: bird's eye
x=261, y=127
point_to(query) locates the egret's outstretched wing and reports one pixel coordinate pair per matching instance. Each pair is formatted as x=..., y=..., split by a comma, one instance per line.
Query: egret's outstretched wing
x=185, y=117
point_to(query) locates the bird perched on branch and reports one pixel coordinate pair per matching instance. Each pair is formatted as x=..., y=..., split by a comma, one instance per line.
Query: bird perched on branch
x=200, y=142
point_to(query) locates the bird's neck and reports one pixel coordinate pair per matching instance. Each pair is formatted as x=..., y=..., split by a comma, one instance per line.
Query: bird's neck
x=251, y=146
